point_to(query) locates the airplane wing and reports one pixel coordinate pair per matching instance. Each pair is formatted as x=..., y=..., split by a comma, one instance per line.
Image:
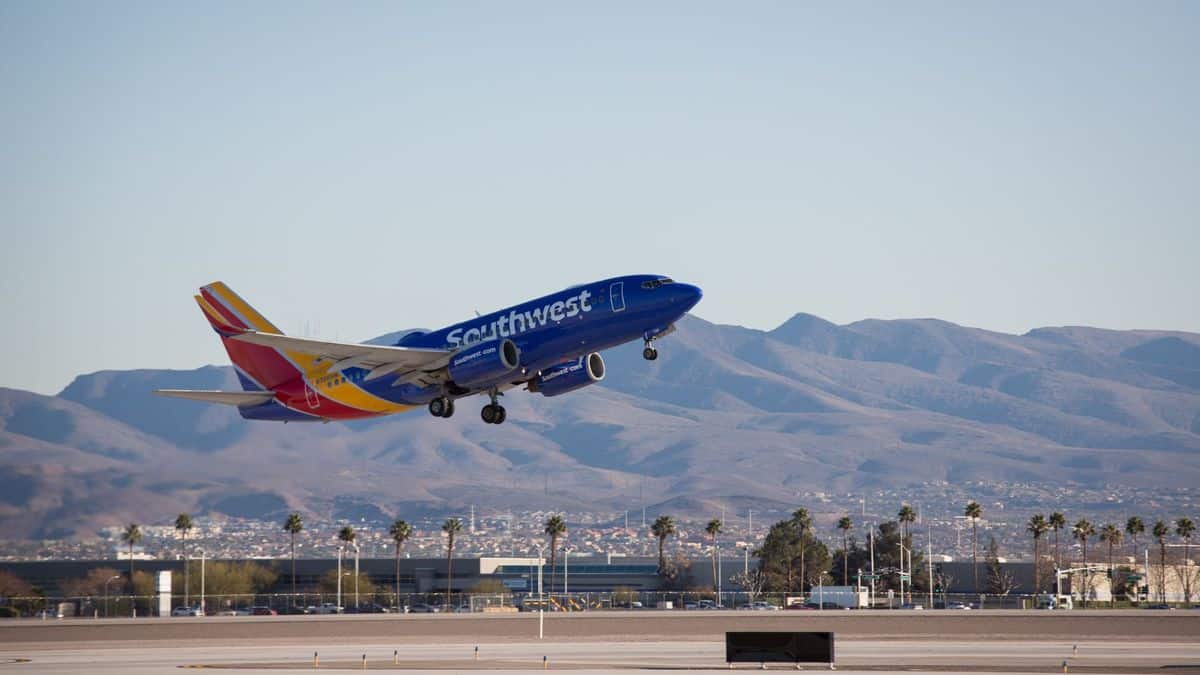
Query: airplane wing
x=381, y=359
x=238, y=398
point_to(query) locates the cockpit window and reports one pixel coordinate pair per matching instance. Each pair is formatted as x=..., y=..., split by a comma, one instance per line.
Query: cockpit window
x=655, y=283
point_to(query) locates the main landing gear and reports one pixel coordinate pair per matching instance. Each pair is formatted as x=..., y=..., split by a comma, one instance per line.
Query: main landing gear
x=649, y=353
x=441, y=407
x=493, y=413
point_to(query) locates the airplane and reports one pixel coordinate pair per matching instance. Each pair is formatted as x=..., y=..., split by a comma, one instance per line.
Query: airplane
x=550, y=345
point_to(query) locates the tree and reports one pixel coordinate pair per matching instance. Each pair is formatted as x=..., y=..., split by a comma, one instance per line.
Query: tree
x=1037, y=526
x=974, y=511
x=752, y=580
x=555, y=528
x=845, y=525
x=663, y=527
x=347, y=535
x=1134, y=527
x=183, y=525
x=1160, y=532
x=1111, y=535
x=451, y=527
x=999, y=580
x=1185, y=528
x=712, y=530
x=328, y=582
x=131, y=535
x=1057, y=522
x=401, y=531
x=1081, y=531
x=802, y=521
x=907, y=516
x=294, y=525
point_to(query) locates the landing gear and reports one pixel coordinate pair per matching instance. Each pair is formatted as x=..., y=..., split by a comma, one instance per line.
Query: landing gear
x=441, y=407
x=493, y=413
x=649, y=353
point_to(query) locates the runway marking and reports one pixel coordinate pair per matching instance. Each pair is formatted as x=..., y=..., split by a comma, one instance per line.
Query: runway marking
x=9, y=662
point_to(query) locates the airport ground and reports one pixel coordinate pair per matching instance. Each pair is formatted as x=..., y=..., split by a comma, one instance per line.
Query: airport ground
x=980, y=641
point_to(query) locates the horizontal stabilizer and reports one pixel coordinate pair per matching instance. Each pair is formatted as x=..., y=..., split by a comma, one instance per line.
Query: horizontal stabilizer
x=238, y=398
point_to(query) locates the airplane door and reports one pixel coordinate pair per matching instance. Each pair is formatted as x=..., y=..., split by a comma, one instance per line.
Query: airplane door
x=616, y=296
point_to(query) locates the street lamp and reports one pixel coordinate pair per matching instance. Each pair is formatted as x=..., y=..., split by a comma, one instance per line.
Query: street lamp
x=566, y=568
x=355, y=545
x=110, y=579
x=203, y=609
x=541, y=600
x=339, y=578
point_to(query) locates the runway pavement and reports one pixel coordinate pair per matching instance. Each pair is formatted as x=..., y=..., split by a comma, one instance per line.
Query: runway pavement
x=1125, y=642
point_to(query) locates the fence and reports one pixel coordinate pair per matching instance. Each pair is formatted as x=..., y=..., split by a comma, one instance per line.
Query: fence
x=383, y=602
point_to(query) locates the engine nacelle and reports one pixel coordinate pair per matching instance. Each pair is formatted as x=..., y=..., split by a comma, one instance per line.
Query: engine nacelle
x=485, y=363
x=569, y=376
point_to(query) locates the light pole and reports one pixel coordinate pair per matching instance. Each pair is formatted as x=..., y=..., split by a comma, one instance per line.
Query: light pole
x=355, y=545
x=338, y=603
x=566, y=569
x=541, y=600
x=110, y=579
x=718, y=576
x=202, y=607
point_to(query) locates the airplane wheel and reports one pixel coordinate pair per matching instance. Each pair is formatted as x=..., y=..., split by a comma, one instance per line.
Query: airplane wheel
x=649, y=353
x=488, y=413
x=437, y=407
x=501, y=415
x=449, y=408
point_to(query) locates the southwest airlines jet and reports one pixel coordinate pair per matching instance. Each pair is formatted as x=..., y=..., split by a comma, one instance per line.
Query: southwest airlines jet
x=549, y=345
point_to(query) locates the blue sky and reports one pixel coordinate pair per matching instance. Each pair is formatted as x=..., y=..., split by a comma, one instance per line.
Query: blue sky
x=368, y=167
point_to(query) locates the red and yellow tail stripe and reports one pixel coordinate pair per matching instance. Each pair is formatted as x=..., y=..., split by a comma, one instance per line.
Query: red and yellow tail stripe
x=274, y=368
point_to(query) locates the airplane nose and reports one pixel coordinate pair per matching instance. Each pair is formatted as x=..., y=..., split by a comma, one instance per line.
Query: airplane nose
x=690, y=295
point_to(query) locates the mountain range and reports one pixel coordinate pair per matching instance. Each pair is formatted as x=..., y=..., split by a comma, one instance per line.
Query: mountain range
x=726, y=412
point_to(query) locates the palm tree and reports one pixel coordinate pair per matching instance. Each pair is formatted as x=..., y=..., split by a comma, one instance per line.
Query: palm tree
x=713, y=529
x=401, y=531
x=663, y=527
x=802, y=521
x=907, y=516
x=1038, y=526
x=1185, y=528
x=1083, y=529
x=1160, y=533
x=1057, y=522
x=1111, y=535
x=132, y=535
x=1134, y=527
x=555, y=528
x=845, y=525
x=451, y=527
x=293, y=526
x=974, y=511
x=183, y=525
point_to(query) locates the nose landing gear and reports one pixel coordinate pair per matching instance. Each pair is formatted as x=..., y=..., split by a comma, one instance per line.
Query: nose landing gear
x=649, y=353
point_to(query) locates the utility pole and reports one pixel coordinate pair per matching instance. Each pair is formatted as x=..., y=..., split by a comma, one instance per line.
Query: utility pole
x=339, y=575
x=750, y=524
x=929, y=559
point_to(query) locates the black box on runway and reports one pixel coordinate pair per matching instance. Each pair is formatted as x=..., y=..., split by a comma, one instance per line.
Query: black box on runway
x=778, y=647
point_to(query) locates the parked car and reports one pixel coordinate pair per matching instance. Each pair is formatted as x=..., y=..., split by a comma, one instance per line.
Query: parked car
x=763, y=606
x=329, y=608
x=422, y=608
x=823, y=605
x=912, y=605
x=262, y=610
x=49, y=613
x=369, y=608
x=957, y=605
x=691, y=605
x=184, y=610
x=802, y=605
x=1159, y=605
x=707, y=604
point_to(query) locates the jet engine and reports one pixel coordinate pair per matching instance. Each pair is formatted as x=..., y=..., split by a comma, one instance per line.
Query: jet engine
x=485, y=363
x=569, y=376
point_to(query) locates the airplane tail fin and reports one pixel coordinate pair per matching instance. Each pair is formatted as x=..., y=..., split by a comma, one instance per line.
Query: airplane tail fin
x=258, y=367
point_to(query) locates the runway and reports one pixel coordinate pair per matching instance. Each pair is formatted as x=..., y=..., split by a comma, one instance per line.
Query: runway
x=1127, y=642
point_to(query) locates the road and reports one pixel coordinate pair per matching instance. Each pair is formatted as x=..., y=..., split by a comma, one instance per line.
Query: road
x=1126, y=642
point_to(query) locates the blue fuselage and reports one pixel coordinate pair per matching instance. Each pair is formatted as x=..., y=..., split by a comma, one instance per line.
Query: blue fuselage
x=553, y=329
